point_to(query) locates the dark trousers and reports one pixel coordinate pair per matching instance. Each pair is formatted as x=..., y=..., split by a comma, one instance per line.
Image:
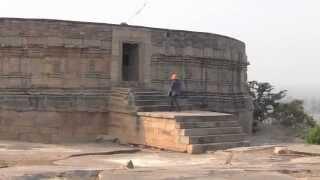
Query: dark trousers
x=174, y=103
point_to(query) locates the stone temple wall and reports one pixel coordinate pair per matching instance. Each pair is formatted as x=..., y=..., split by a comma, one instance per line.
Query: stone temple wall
x=69, y=67
x=54, y=65
x=206, y=62
x=53, y=71
x=213, y=69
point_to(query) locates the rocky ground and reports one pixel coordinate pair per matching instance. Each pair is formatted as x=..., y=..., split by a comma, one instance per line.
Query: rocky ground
x=271, y=158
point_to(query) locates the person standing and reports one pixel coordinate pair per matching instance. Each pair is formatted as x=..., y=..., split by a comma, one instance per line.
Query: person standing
x=174, y=92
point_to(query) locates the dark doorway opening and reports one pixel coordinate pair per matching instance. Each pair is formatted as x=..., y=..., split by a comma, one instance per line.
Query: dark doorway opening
x=130, y=62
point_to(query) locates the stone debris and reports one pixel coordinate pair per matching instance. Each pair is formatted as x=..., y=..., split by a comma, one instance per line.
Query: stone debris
x=302, y=150
x=229, y=159
x=4, y=164
x=305, y=149
x=106, y=138
x=130, y=165
x=281, y=150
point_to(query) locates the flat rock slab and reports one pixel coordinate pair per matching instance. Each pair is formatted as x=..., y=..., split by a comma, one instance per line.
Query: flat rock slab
x=16, y=153
x=171, y=115
x=252, y=148
x=73, y=149
x=305, y=149
x=192, y=175
x=21, y=159
x=163, y=159
x=100, y=149
x=107, y=161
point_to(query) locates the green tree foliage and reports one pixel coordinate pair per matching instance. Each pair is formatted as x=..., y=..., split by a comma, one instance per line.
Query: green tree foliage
x=264, y=99
x=293, y=114
x=313, y=136
x=267, y=104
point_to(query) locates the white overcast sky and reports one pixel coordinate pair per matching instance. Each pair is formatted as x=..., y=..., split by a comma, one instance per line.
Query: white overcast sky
x=282, y=36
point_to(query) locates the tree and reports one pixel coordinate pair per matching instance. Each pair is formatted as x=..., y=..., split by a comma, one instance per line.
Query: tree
x=264, y=99
x=267, y=104
x=313, y=135
x=293, y=114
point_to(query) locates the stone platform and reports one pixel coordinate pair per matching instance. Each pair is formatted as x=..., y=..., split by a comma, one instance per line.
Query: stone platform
x=186, y=131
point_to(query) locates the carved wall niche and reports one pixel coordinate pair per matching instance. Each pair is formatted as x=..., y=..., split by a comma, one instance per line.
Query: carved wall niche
x=94, y=72
x=96, y=68
x=52, y=75
x=11, y=66
x=212, y=79
x=53, y=67
x=91, y=68
x=14, y=72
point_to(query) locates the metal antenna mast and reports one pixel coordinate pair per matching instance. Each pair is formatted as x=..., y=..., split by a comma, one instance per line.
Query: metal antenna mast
x=138, y=11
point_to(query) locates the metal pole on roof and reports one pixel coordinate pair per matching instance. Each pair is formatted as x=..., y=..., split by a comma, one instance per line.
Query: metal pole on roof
x=139, y=10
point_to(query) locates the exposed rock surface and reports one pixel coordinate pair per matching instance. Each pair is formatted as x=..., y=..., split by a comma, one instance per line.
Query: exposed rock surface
x=30, y=161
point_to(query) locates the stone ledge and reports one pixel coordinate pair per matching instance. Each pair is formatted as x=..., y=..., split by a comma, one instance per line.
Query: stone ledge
x=172, y=115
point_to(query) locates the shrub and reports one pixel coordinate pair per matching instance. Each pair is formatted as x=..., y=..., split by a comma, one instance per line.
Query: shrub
x=313, y=135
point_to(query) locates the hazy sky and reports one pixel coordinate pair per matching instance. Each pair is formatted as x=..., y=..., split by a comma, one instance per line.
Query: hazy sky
x=282, y=36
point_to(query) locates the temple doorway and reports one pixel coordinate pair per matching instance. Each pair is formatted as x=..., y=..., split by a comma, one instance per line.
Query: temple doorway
x=130, y=62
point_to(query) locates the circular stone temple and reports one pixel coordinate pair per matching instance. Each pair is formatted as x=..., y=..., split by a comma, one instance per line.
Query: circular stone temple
x=67, y=80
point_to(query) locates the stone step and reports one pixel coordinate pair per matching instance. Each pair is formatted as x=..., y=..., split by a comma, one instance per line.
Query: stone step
x=119, y=103
x=124, y=89
x=152, y=108
x=201, y=148
x=212, y=124
x=148, y=93
x=210, y=131
x=151, y=102
x=137, y=94
x=120, y=95
x=194, y=119
x=151, y=97
x=122, y=108
x=212, y=138
x=117, y=98
x=120, y=89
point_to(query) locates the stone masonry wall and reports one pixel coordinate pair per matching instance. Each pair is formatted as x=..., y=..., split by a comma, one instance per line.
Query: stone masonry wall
x=54, y=54
x=156, y=132
x=213, y=69
x=52, y=127
x=54, y=79
x=53, y=66
x=45, y=56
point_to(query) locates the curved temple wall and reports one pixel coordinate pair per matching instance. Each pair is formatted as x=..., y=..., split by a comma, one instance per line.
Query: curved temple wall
x=212, y=67
x=69, y=67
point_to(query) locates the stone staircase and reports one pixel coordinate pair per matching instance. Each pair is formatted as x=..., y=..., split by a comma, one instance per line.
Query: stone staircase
x=189, y=130
x=203, y=131
x=210, y=132
x=140, y=100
